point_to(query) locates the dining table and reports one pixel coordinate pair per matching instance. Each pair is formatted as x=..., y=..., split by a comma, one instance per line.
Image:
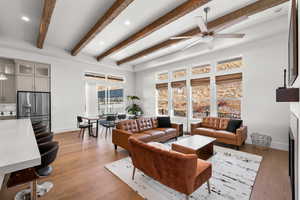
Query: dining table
x=93, y=119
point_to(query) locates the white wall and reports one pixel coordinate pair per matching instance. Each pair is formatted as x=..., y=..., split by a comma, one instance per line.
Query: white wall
x=67, y=81
x=264, y=61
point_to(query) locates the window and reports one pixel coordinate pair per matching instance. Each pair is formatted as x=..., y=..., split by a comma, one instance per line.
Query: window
x=179, y=98
x=163, y=76
x=116, y=100
x=203, y=69
x=200, y=97
x=229, y=64
x=179, y=74
x=102, y=94
x=110, y=100
x=162, y=99
x=229, y=94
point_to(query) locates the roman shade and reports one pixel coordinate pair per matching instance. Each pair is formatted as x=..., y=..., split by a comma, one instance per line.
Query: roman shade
x=200, y=81
x=94, y=75
x=115, y=78
x=162, y=86
x=178, y=84
x=229, y=78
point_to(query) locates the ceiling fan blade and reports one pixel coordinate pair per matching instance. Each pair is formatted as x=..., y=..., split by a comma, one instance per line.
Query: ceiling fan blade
x=230, y=23
x=201, y=24
x=192, y=44
x=229, y=35
x=181, y=37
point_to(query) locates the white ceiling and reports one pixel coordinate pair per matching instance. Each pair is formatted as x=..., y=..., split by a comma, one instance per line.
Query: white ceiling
x=72, y=19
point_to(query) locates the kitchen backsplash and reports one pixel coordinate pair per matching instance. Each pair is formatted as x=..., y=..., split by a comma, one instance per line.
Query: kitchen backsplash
x=8, y=109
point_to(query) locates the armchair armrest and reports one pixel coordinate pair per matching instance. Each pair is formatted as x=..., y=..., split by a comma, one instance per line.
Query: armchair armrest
x=241, y=135
x=120, y=138
x=178, y=127
x=194, y=126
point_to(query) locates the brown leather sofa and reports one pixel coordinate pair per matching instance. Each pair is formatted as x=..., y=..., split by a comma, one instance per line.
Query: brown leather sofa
x=182, y=172
x=146, y=129
x=216, y=127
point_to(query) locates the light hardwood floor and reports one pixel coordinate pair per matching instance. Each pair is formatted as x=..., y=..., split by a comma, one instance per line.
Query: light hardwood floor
x=79, y=172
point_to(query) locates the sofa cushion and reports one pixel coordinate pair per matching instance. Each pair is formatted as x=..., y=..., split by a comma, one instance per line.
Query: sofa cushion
x=128, y=125
x=211, y=122
x=155, y=134
x=144, y=124
x=164, y=122
x=154, y=122
x=167, y=130
x=205, y=131
x=233, y=125
x=223, y=123
x=224, y=134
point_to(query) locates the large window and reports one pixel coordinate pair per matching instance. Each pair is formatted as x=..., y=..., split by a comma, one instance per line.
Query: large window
x=178, y=74
x=203, y=69
x=179, y=98
x=162, y=99
x=163, y=76
x=229, y=94
x=229, y=64
x=200, y=97
x=110, y=100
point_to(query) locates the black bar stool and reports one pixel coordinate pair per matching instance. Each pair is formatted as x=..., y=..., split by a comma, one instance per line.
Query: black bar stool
x=82, y=126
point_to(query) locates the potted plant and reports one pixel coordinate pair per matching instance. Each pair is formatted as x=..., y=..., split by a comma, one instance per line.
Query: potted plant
x=134, y=108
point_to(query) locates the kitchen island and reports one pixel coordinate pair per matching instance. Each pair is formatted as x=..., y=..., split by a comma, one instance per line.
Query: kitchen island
x=18, y=148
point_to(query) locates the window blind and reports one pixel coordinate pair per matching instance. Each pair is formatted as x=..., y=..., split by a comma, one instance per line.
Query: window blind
x=200, y=81
x=161, y=85
x=229, y=78
x=178, y=84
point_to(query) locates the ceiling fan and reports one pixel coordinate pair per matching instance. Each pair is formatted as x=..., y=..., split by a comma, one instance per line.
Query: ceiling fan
x=208, y=36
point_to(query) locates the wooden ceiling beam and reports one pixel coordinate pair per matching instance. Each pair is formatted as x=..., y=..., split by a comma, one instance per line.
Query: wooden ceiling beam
x=246, y=11
x=173, y=15
x=48, y=9
x=114, y=11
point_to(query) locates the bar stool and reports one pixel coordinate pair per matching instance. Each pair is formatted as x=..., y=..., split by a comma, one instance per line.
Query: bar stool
x=48, y=153
x=44, y=137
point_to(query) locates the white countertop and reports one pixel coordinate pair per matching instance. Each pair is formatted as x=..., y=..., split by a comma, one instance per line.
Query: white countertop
x=18, y=147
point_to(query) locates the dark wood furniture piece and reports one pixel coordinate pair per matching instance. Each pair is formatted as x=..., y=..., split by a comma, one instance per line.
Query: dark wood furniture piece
x=202, y=146
x=84, y=126
x=287, y=95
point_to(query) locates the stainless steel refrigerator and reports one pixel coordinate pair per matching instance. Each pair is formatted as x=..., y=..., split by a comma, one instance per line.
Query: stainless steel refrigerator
x=36, y=106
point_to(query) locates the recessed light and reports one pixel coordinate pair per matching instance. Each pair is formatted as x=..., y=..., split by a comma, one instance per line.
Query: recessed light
x=24, y=18
x=127, y=22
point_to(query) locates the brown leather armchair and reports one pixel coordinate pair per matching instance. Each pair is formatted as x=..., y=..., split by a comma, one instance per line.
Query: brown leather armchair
x=146, y=129
x=216, y=127
x=182, y=172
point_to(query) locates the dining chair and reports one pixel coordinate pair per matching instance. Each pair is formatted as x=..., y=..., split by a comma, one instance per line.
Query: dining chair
x=109, y=124
x=82, y=126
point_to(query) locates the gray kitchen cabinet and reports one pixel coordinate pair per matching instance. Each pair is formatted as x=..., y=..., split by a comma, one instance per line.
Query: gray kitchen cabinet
x=25, y=83
x=8, y=90
x=42, y=84
x=24, y=68
x=42, y=70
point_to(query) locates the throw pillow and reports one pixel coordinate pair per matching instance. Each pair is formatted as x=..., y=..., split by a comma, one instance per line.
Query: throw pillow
x=234, y=124
x=164, y=122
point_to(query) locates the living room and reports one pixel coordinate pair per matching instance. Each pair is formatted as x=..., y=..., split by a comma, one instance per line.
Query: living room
x=123, y=95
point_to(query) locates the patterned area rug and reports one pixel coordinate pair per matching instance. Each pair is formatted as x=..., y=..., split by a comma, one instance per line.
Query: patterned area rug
x=234, y=174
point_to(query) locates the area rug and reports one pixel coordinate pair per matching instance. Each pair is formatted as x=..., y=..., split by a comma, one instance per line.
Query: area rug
x=234, y=175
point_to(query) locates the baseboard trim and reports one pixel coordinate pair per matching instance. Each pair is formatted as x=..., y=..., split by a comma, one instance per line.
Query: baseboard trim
x=274, y=145
x=59, y=131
